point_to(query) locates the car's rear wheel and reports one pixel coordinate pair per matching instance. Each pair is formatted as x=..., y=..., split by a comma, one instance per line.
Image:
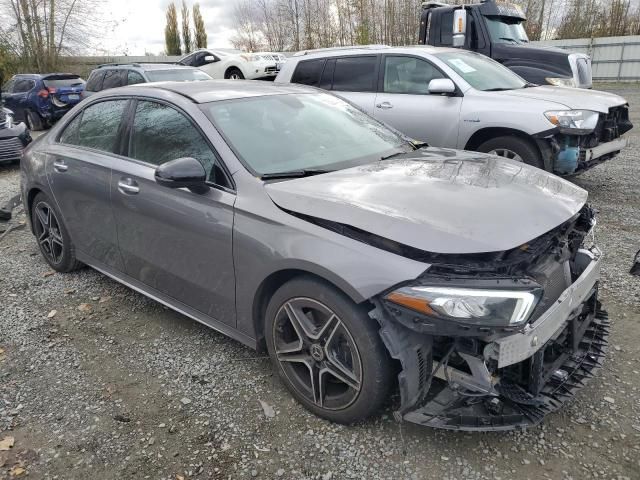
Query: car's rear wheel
x=234, y=74
x=327, y=351
x=34, y=121
x=514, y=148
x=52, y=235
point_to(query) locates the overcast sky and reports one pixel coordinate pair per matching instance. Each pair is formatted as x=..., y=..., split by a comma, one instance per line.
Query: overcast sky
x=138, y=25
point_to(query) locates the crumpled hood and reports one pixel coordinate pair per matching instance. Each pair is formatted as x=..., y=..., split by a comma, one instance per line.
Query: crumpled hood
x=573, y=98
x=438, y=200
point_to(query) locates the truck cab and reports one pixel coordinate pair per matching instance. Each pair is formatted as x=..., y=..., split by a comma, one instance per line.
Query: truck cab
x=496, y=29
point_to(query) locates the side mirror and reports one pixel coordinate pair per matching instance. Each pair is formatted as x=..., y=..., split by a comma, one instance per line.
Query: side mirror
x=459, y=27
x=182, y=172
x=442, y=86
x=210, y=59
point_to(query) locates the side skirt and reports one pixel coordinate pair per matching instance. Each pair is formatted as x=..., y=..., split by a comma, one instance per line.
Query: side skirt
x=167, y=301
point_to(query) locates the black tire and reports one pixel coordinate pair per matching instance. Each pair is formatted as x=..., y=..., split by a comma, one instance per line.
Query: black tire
x=59, y=251
x=34, y=121
x=234, y=73
x=525, y=149
x=353, y=342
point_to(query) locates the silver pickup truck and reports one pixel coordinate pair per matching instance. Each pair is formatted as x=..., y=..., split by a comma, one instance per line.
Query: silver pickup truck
x=459, y=99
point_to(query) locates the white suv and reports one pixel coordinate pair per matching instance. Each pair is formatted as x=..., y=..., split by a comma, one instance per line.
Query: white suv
x=234, y=64
x=459, y=99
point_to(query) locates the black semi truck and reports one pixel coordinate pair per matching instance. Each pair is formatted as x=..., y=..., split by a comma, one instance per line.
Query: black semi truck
x=495, y=29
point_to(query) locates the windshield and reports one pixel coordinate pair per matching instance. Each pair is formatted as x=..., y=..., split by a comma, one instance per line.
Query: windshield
x=506, y=30
x=177, y=75
x=481, y=72
x=286, y=133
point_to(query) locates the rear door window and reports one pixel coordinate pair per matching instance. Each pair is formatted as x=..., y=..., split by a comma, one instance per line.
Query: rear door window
x=112, y=79
x=308, y=72
x=94, y=84
x=355, y=74
x=97, y=127
x=23, y=85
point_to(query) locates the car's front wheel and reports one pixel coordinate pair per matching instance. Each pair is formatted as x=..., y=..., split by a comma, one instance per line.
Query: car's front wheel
x=514, y=148
x=34, y=121
x=52, y=235
x=327, y=351
x=234, y=74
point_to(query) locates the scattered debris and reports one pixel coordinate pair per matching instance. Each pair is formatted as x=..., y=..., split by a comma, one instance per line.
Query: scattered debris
x=52, y=314
x=6, y=443
x=268, y=410
x=185, y=401
x=121, y=418
x=49, y=273
x=85, y=307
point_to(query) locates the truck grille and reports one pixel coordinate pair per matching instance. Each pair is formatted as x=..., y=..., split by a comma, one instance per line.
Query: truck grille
x=10, y=149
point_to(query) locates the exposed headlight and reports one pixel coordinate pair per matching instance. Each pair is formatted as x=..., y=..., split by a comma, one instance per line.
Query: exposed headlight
x=9, y=120
x=483, y=307
x=576, y=121
x=561, y=82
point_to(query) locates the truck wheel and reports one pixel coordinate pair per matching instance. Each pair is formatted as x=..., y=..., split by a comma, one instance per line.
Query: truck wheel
x=34, y=122
x=234, y=74
x=327, y=351
x=514, y=148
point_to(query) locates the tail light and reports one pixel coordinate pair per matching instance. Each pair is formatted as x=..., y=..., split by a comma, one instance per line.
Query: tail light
x=43, y=93
x=52, y=90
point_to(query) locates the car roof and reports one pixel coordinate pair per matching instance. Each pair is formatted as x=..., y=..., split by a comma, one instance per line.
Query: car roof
x=146, y=67
x=370, y=49
x=206, y=91
x=36, y=76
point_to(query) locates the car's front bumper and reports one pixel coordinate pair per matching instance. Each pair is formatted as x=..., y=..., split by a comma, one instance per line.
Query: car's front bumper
x=13, y=141
x=555, y=355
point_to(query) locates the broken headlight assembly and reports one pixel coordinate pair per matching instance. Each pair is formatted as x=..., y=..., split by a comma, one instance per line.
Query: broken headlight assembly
x=485, y=307
x=576, y=122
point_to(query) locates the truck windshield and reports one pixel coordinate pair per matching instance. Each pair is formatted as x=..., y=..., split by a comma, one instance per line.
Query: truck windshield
x=481, y=72
x=506, y=30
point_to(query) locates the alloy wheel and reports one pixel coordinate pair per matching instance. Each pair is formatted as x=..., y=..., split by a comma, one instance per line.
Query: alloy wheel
x=506, y=153
x=317, y=353
x=48, y=232
x=235, y=76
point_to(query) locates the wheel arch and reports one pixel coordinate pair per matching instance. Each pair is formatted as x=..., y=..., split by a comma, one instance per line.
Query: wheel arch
x=484, y=134
x=31, y=195
x=233, y=66
x=275, y=280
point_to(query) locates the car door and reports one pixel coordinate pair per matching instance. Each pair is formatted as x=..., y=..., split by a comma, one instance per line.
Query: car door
x=353, y=78
x=79, y=173
x=175, y=241
x=403, y=101
x=18, y=98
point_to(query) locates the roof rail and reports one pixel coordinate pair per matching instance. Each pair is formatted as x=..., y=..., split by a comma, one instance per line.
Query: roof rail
x=337, y=49
x=430, y=5
x=117, y=64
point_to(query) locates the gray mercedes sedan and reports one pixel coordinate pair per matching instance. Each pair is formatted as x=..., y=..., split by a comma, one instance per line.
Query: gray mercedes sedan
x=363, y=262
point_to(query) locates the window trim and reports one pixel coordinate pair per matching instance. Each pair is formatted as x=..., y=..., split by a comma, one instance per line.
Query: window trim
x=376, y=72
x=126, y=140
x=457, y=93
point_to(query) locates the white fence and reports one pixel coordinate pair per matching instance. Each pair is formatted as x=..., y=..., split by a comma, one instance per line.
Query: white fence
x=614, y=58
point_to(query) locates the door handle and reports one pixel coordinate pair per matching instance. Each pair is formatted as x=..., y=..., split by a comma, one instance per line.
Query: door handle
x=128, y=186
x=60, y=166
x=384, y=105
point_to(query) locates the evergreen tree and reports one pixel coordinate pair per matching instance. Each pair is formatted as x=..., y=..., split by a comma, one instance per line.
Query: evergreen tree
x=171, y=35
x=200, y=32
x=186, y=30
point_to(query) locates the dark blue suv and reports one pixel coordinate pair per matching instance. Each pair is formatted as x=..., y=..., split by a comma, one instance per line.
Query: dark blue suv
x=40, y=100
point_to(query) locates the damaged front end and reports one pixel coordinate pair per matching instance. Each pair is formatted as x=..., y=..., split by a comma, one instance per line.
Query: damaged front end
x=498, y=341
x=583, y=139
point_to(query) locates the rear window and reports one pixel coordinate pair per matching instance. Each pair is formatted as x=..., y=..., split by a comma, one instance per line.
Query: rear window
x=95, y=81
x=355, y=74
x=177, y=75
x=308, y=72
x=67, y=81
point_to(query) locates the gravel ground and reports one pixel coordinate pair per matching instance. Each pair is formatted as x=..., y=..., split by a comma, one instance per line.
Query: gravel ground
x=97, y=381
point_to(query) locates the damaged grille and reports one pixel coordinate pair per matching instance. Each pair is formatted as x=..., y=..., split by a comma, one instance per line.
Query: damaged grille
x=611, y=126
